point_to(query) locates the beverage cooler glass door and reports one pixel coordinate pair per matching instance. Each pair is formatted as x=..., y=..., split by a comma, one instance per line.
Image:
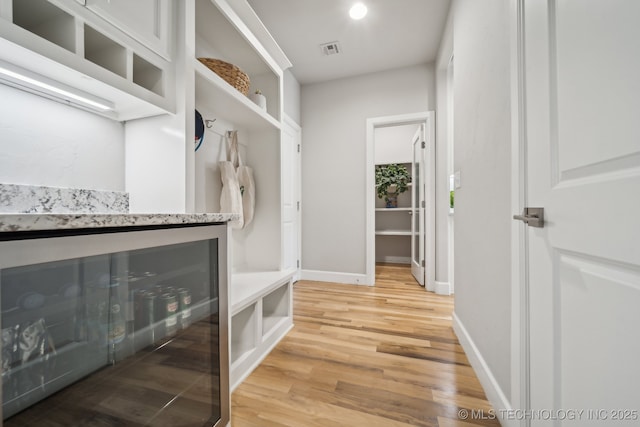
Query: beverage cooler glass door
x=115, y=329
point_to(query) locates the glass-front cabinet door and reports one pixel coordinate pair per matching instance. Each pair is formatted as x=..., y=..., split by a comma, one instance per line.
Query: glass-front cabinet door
x=418, y=207
x=128, y=337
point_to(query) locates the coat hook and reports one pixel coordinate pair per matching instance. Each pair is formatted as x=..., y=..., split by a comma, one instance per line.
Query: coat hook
x=209, y=123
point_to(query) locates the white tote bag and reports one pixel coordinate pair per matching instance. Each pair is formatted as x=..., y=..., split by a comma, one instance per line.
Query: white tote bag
x=245, y=181
x=238, y=186
x=231, y=197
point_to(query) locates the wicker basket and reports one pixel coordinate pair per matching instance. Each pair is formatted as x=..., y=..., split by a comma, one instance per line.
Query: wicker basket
x=229, y=73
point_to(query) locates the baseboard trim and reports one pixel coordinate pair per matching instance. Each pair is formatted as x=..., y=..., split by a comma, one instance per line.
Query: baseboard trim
x=443, y=288
x=492, y=389
x=331, y=276
x=395, y=259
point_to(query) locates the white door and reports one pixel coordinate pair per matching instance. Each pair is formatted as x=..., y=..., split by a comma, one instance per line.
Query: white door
x=418, y=206
x=290, y=157
x=582, y=129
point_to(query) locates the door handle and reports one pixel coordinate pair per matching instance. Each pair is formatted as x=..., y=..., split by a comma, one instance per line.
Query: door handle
x=533, y=217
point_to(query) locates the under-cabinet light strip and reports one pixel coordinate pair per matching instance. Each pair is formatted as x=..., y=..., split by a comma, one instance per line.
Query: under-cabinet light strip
x=52, y=87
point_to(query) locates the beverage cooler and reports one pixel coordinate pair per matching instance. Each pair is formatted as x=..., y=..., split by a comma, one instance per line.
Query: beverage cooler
x=122, y=327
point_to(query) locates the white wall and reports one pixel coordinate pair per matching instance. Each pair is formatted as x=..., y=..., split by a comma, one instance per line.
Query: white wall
x=334, y=118
x=393, y=144
x=47, y=143
x=482, y=155
x=291, y=96
x=155, y=164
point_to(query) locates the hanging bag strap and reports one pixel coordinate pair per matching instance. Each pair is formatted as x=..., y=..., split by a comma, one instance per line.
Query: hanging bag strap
x=234, y=152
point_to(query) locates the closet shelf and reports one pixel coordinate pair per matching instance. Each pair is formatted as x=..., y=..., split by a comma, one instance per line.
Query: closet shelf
x=393, y=209
x=393, y=233
x=229, y=103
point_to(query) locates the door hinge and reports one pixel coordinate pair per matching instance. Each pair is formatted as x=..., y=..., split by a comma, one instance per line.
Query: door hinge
x=298, y=263
x=298, y=205
x=298, y=148
x=422, y=263
x=424, y=204
x=424, y=144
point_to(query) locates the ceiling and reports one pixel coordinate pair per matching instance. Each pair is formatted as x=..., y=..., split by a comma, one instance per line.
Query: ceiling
x=395, y=33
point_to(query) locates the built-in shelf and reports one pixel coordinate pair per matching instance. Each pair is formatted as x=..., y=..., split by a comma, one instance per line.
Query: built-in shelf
x=393, y=233
x=275, y=309
x=394, y=209
x=248, y=287
x=103, y=51
x=395, y=221
x=223, y=99
x=393, y=227
x=243, y=333
x=221, y=34
x=47, y=21
x=262, y=313
x=147, y=75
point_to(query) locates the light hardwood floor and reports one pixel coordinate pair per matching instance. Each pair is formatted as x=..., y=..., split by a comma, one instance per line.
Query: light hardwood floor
x=364, y=356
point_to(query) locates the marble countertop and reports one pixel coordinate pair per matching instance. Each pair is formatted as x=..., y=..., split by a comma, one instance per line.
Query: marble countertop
x=40, y=222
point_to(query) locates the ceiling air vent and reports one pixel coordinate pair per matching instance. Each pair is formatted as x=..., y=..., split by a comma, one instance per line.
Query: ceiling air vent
x=332, y=48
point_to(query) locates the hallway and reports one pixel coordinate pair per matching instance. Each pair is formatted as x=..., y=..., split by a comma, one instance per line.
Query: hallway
x=364, y=356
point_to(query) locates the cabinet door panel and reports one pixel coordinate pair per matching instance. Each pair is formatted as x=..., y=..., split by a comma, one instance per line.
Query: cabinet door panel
x=145, y=20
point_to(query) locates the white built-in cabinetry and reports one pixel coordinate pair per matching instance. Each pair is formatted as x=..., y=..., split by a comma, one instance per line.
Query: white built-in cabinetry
x=147, y=21
x=261, y=288
x=98, y=47
x=97, y=50
x=393, y=228
x=261, y=314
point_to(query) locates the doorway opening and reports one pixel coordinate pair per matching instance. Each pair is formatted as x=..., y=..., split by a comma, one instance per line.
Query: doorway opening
x=410, y=227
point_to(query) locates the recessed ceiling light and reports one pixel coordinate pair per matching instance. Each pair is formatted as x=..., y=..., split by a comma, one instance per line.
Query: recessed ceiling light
x=358, y=11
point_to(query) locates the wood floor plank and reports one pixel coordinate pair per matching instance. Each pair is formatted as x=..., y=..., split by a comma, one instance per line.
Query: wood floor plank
x=364, y=356
x=461, y=400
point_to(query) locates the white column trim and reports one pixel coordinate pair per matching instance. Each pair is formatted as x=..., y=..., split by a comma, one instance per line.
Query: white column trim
x=520, y=382
x=443, y=288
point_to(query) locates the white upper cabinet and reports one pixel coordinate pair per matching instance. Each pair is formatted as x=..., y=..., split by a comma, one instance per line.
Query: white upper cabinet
x=145, y=20
x=113, y=51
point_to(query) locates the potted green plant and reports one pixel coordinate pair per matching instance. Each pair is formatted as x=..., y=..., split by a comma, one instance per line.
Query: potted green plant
x=391, y=180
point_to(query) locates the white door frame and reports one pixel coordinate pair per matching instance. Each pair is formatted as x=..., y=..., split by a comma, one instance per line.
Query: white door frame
x=427, y=118
x=450, y=172
x=520, y=383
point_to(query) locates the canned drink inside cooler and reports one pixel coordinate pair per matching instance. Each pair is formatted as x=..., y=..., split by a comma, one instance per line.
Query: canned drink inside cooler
x=144, y=318
x=167, y=304
x=184, y=302
x=144, y=302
